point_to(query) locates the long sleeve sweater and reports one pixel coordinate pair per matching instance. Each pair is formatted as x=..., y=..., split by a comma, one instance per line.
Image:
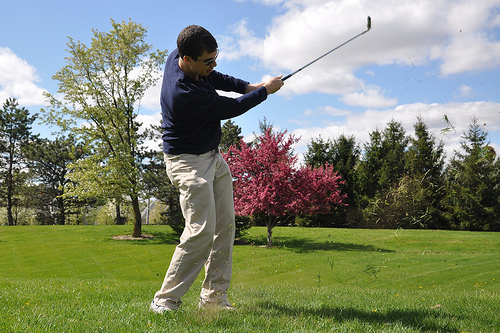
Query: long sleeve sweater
x=192, y=110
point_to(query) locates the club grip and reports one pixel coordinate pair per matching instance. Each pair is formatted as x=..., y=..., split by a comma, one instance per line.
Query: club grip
x=286, y=77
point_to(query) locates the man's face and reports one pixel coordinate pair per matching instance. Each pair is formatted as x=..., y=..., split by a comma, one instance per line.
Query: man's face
x=204, y=64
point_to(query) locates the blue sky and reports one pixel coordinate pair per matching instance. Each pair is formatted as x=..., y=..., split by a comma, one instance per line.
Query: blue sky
x=427, y=58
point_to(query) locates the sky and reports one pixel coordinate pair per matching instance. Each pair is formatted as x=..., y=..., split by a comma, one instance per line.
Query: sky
x=432, y=59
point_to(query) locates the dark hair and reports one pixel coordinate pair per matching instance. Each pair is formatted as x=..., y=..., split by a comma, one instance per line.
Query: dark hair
x=193, y=40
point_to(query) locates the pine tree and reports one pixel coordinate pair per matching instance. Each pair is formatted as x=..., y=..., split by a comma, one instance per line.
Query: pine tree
x=15, y=134
x=473, y=193
x=231, y=135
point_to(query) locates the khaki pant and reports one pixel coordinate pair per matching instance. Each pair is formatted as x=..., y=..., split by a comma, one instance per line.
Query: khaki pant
x=206, y=199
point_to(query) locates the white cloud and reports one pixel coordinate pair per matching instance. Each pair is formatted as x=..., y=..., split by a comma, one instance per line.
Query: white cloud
x=18, y=80
x=147, y=121
x=464, y=91
x=151, y=98
x=243, y=44
x=458, y=35
x=362, y=124
x=471, y=47
x=328, y=110
x=371, y=98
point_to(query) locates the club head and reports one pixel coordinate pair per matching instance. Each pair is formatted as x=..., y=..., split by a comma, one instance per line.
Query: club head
x=369, y=23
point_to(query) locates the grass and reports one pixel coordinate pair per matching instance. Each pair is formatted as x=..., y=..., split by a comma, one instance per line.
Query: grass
x=78, y=279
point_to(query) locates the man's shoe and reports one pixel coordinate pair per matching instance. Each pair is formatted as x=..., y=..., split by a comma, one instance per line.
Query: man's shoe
x=158, y=308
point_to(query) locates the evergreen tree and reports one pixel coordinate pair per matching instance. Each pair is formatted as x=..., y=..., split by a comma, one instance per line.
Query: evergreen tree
x=345, y=157
x=369, y=170
x=231, y=135
x=394, y=146
x=15, y=134
x=319, y=152
x=473, y=193
x=49, y=160
x=425, y=163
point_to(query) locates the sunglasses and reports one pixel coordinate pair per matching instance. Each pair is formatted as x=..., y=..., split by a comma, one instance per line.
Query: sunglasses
x=209, y=61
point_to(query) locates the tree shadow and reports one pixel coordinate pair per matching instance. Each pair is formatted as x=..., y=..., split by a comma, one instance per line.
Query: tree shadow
x=301, y=245
x=151, y=237
x=420, y=320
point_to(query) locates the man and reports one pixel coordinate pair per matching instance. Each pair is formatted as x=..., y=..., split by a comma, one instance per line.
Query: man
x=192, y=112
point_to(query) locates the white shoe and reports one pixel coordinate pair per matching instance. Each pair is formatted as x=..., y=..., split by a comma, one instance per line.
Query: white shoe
x=158, y=308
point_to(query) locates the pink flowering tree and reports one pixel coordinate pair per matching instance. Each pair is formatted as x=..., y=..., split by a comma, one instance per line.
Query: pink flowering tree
x=268, y=183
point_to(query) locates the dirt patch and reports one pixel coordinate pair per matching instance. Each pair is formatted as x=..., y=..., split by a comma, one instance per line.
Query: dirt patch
x=129, y=237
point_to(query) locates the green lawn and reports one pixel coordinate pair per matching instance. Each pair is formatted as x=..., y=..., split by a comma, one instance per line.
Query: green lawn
x=78, y=279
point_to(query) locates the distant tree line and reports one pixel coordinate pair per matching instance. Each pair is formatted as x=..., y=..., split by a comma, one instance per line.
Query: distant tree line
x=393, y=181
x=399, y=181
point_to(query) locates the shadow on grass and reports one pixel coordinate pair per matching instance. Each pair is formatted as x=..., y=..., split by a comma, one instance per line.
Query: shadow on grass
x=421, y=320
x=301, y=245
x=151, y=237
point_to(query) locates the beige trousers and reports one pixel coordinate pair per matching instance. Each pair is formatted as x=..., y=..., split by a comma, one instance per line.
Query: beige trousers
x=206, y=199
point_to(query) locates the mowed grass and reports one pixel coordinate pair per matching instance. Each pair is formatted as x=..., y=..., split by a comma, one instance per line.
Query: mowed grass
x=78, y=279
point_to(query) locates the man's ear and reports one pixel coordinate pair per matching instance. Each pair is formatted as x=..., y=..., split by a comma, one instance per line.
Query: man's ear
x=187, y=59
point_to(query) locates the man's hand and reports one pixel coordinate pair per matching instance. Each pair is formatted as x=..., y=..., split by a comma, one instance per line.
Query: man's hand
x=273, y=85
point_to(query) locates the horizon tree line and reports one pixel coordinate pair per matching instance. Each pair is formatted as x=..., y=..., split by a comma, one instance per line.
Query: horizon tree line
x=394, y=181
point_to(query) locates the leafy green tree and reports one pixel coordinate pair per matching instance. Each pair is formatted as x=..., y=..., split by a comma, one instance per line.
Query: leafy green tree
x=15, y=134
x=158, y=185
x=473, y=175
x=101, y=86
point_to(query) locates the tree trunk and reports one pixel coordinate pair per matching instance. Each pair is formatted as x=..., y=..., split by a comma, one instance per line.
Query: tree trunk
x=270, y=226
x=119, y=220
x=61, y=213
x=137, y=217
x=10, y=191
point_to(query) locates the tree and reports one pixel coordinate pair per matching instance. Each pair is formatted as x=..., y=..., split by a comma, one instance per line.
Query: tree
x=101, y=86
x=268, y=184
x=319, y=152
x=15, y=134
x=383, y=163
x=343, y=154
x=48, y=161
x=368, y=173
x=425, y=166
x=394, y=146
x=231, y=135
x=473, y=193
x=158, y=185
x=345, y=157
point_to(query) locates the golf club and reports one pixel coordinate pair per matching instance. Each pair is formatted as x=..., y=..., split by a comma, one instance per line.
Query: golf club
x=368, y=26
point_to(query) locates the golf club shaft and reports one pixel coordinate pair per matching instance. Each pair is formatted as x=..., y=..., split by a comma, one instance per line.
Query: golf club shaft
x=368, y=26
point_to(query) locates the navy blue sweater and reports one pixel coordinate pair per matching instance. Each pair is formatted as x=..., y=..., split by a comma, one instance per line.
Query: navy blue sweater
x=192, y=110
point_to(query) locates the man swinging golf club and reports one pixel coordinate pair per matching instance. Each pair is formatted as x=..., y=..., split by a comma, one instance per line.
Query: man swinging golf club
x=192, y=112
